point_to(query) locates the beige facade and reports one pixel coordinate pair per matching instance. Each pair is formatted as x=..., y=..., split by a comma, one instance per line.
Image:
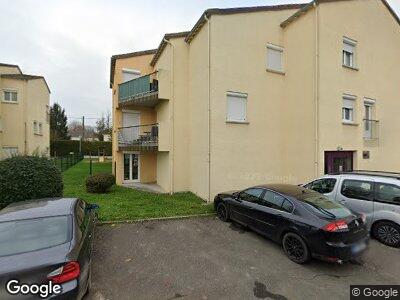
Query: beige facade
x=286, y=94
x=24, y=107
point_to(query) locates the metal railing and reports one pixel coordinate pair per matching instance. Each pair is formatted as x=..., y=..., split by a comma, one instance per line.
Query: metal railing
x=63, y=163
x=371, y=129
x=137, y=87
x=138, y=136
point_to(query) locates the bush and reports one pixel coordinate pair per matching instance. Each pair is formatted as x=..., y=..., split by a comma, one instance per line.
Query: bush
x=28, y=177
x=63, y=148
x=99, y=183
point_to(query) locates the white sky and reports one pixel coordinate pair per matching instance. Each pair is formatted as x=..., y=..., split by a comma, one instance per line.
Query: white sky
x=70, y=42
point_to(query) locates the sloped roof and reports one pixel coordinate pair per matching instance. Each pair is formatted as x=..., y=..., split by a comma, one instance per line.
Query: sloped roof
x=25, y=77
x=163, y=44
x=11, y=66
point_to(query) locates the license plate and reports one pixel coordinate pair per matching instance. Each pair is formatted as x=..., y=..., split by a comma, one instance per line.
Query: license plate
x=359, y=247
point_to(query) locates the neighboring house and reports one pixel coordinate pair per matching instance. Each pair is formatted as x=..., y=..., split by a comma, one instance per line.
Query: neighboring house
x=24, y=113
x=264, y=94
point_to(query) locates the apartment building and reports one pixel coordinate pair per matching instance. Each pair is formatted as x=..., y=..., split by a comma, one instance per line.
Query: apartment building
x=261, y=94
x=24, y=113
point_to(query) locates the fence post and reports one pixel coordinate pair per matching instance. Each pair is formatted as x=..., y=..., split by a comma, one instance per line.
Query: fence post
x=90, y=168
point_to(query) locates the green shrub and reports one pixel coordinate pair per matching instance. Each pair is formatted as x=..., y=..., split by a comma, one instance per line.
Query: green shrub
x=99, y=183
x=28, y=177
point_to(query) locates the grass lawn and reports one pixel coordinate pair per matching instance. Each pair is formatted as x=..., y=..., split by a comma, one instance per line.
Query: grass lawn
x=128, y=204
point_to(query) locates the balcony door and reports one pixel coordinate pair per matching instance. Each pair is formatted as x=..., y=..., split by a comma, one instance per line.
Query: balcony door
x=130, y=119
x=131, y=167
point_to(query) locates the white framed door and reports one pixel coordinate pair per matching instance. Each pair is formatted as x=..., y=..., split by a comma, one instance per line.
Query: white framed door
x=130, y=118
x=131, y=167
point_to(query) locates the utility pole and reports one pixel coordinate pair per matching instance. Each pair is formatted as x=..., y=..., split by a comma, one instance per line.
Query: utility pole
x=82, y=135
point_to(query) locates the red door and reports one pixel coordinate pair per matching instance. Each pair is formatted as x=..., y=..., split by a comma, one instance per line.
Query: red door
x=338, y=161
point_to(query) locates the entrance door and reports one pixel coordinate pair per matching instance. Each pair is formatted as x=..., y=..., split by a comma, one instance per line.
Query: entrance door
x=338, y=161
x=131, y=167
x=129, y=119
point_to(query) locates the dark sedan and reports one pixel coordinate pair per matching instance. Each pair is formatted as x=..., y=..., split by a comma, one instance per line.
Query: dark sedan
x=45, y=248
x=306, y=223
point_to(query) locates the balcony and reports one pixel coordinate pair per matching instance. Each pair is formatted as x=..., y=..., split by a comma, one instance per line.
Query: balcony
x=137, y=138
x=371, y=129
x=142, y=91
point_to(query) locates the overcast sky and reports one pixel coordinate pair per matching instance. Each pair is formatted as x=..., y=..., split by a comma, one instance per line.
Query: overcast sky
x=70, y=42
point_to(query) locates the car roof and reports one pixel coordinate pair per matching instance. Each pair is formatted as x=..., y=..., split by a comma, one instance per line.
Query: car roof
x=39, y=208
x=287, y=189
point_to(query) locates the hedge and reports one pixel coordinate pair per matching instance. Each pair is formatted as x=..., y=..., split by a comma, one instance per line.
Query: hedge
x=63, y=148
x=99, y=183
x=28, y=177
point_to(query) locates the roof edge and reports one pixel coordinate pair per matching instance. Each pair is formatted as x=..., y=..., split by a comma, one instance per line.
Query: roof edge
x=26, y=77
x=11, y=66
x=163, y=44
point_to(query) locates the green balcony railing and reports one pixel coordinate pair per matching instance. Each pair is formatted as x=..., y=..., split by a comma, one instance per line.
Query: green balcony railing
x=137, y=87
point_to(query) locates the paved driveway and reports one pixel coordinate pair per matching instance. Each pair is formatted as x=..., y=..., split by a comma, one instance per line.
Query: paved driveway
x=204, y=258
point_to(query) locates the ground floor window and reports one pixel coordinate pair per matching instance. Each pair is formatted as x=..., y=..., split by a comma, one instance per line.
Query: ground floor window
x=338, y=161
x=131, y=167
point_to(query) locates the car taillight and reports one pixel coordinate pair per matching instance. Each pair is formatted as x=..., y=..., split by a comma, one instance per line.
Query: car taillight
x=65, y=273
x=335, y=226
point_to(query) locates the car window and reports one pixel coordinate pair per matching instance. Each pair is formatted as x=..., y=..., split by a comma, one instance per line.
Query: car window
x=323, y=186
x=357, y=189
x=272, y=200
x=287, y=206
x=22, y=236
x=251, y=195
x=82, y=215
x=389, y=193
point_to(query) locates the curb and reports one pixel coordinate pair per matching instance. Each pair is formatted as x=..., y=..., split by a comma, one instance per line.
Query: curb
x=153, y=219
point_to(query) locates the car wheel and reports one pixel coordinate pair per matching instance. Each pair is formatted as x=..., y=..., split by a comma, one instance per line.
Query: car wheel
x=387, y=233
x=295, y=248
x=222, y=212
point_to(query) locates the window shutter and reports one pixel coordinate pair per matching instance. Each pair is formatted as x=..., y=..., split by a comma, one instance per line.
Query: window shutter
x=347, y=103
x=348, y=47
x=236, y=107
x=274, y=59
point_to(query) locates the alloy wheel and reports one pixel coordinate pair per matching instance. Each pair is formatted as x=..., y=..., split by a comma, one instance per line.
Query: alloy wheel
x=294, y=248
x=222, y=212
x=388, y=234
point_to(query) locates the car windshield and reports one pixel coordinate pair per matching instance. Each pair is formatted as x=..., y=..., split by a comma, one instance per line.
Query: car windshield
x=320, y=204
x=22, y=236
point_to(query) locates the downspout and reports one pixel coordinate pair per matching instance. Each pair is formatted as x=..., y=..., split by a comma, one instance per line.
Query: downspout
x=316, y=89
x=171, y=117
x=209, y=106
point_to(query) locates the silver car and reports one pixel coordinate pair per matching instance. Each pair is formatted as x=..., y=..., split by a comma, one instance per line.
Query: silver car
x=374, y=194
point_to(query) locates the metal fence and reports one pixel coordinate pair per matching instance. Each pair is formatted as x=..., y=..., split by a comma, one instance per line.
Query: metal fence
x=65, y=162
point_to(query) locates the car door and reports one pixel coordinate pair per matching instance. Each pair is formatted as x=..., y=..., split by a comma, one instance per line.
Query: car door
x=270, y=214
x=242, y=209
x=387, y=202
x=324, y=186
x=357, y=195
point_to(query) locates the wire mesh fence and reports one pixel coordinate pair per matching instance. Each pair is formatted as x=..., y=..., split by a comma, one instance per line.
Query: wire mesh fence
x=65, y=162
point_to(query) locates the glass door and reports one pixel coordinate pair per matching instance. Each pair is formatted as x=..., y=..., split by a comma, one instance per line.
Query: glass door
x=131, y=167
x=368, y=121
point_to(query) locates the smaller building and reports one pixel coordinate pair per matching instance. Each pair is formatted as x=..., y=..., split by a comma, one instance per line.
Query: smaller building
x=24, y=113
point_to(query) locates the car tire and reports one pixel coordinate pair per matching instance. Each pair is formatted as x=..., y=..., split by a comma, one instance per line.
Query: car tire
x=387, y=233
x=222, y=212
x=295, y=248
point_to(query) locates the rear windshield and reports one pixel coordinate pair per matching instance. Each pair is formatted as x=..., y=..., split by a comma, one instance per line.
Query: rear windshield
x=322, y=205
x=33, y=234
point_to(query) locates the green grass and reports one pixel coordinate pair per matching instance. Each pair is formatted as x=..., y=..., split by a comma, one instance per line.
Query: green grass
x=128, y=204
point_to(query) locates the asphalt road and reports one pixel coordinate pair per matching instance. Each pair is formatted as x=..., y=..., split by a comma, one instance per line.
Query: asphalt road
x=204, y=258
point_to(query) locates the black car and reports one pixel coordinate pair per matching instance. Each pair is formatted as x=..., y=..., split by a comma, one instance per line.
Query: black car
x=305, y=222
x=46, y=242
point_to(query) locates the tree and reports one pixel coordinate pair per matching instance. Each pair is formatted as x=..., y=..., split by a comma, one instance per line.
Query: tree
x=103, y=126
x=58, y=123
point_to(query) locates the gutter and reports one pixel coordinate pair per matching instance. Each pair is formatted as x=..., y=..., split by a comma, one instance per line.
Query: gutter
x=171, y=117
x=316, y=88
x=209, y=105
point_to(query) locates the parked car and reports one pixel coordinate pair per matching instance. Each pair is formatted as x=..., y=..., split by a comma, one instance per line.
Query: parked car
x=305, y=222
x=375, y=194
x=47, y=240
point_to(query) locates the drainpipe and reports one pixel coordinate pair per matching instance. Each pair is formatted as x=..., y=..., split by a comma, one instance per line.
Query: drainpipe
x=209, y=106
x=316, y=89
x=171, y=117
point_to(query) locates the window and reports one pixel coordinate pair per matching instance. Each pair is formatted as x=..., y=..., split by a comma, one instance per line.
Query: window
x=323, y=186
x=274, y=58
x=368, y=118
x=81, y=215
x=10, y=151
x=128, y=74
x=357, y=189
x=273, y=200
x=389, y=193
x=322, y=205
x=10, y=96
x=348, y=108
x=251, y=195
x=349, y=50
x=35, y=127
x=236, y=107
x=287, y=206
